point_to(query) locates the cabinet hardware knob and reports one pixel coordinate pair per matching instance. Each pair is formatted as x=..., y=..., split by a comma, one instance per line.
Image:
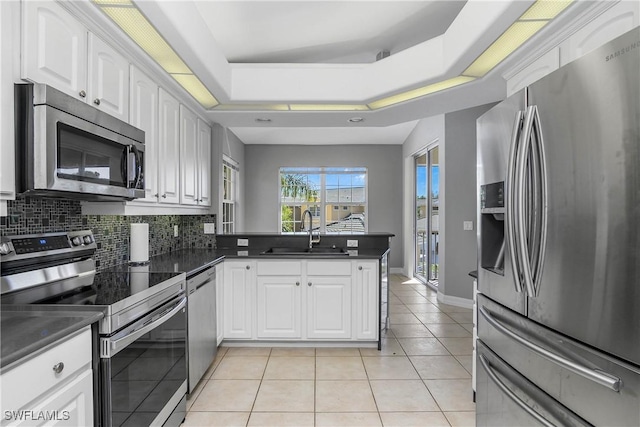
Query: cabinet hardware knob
x=248, y=267
x=58, y=367
x=96, y=101
x=297, y=283
x=82, y=94
x=309, y=284
x=360, y=267
x=156, y=195
x=164, y=196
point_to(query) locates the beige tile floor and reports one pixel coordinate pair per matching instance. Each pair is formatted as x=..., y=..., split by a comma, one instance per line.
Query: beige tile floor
x=422, y=376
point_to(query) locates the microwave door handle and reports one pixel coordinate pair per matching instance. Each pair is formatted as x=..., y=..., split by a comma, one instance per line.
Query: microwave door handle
x=510, y=394
x=124, y=159
x=511, y=186
x=138, y=166
x=109, y=347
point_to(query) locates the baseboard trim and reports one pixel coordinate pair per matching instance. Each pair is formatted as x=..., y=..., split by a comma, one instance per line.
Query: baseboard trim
x=457, y=301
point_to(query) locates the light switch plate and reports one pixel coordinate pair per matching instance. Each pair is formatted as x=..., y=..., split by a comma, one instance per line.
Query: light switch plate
x=467, y=225
x=243, y=242
x=209, y=228
x=175, y=230
x=352, y=243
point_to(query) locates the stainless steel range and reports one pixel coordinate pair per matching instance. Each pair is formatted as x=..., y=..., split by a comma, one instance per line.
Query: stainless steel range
x=142, y=338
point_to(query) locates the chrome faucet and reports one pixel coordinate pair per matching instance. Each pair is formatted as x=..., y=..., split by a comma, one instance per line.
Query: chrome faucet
x=310, y=229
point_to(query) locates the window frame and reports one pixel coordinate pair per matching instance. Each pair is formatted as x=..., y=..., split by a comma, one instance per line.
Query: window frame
x=229, y=226
x=322, y=204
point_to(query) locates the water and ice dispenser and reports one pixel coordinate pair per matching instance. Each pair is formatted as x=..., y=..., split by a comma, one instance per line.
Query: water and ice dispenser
x=492, y=227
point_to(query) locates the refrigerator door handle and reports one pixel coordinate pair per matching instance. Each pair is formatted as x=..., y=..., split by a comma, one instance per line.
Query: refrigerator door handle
x=540, y=235
x=511, y=191
x=597, y=376
x=510, y=394
x=521, y=203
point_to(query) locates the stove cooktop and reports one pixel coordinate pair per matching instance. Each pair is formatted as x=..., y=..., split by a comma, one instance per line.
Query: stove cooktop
x=111, y=287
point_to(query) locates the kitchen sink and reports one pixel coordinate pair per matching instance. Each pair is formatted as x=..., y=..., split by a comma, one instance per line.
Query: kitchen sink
x=319, y=251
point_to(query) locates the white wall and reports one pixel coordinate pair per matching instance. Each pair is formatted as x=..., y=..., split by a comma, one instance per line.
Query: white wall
x=225, y=142
x=384, y=166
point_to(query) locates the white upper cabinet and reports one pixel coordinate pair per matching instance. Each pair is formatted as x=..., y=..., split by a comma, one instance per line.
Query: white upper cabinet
x=169, y=148
x=59, y=51
x=108, y=87
x=54, y=48
x=204, y=163
x=620, y=18
x=144, y=115
x=189, y=156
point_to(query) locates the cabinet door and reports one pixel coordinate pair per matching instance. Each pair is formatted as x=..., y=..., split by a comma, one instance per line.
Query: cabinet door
x=204, y=163
x=144, y=115
x=54, y=48
x=366, y=300
x=220, y=302
x=189, y=157
x=239, y=290
x=7, y=140
x=108, y=79
x=169, y=148
x=328, y=307
x=72, y=403
x=279, y=301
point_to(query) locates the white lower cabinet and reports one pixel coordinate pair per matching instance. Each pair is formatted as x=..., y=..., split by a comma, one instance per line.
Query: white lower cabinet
x=220, y=302
x=239, y=299
x=56, y=384
x=329, y=307
x=366, y=306
x=298, y=300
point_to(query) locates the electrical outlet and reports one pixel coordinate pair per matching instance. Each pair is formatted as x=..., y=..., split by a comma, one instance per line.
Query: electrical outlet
x=243, y=242
x=352, y=243
x=467, y=225
x=175, y=230
x=209, y=228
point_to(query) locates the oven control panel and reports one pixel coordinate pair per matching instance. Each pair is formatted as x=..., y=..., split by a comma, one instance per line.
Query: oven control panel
x=29, y=246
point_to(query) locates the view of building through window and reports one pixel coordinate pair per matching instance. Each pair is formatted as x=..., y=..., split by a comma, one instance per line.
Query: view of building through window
x=335, y=196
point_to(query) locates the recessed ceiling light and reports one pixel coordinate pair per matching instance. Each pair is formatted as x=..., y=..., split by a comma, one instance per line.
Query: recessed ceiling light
x=263, y=120
x=356, y=120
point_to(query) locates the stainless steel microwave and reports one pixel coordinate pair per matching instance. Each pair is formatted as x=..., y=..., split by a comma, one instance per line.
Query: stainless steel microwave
x=69, y=149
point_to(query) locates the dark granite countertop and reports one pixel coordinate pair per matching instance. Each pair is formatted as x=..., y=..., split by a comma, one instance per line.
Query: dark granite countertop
x=189, y=261
x=361, y=253
x=25, y=330
x=474, y=274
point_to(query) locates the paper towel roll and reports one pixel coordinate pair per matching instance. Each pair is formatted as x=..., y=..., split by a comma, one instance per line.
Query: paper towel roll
x=139, y=243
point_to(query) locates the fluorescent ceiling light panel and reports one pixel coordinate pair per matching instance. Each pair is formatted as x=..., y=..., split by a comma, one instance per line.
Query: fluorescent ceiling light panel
x=194, y=86
x=545, y=9
x=254, y=107
x=421, y=91
x=328, y=107
x=135, y=25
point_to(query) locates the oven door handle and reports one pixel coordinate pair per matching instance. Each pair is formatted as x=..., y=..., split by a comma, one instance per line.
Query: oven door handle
x=110, y=347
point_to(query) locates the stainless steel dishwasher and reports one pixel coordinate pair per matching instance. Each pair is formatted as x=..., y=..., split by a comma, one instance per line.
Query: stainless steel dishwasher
x=201, y=324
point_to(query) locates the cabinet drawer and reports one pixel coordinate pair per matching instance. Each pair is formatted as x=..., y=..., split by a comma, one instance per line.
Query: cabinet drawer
x=329, y=268
x=34, y=377
x=279, y=268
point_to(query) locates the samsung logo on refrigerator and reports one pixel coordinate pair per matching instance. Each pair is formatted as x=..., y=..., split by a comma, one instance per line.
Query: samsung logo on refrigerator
x=622, y=51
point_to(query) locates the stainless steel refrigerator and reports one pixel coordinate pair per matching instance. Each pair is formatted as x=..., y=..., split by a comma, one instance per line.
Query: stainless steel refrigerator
x=559, y=247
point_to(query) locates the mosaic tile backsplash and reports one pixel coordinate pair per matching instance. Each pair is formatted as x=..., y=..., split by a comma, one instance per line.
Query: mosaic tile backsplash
x=36, y=215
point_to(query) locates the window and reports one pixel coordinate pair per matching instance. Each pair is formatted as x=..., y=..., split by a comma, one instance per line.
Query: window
x=335, y=196
x=229, y=197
